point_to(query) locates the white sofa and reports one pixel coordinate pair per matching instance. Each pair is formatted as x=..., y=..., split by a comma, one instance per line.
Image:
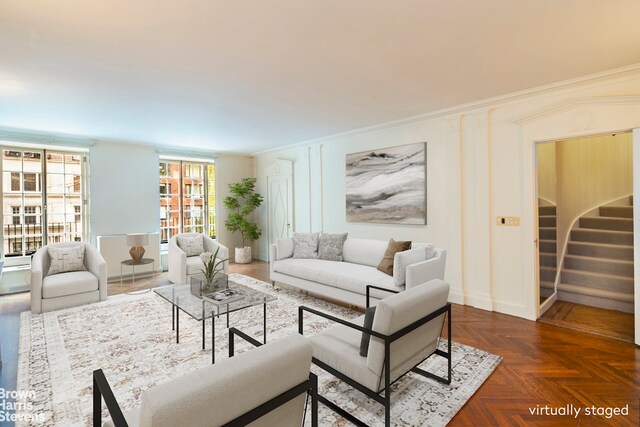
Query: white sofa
x=181, y=266
x=70, y=289
x=347, y=280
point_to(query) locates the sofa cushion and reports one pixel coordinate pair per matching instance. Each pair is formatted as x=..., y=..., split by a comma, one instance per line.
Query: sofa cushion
x=305, y=245
x=65, y=259
x=402, y=259
x=330, y=246
x=343, y=275
x=285, y=248
x=194, y=265
x=339, y=347
x=364, y=251
x=75, y=282
x=191, y=245
x=386, y=263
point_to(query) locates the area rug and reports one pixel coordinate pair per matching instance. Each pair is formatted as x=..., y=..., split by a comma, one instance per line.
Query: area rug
x=130, y=338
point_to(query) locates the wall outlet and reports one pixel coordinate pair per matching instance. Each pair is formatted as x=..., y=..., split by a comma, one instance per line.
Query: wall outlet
x=508, y=220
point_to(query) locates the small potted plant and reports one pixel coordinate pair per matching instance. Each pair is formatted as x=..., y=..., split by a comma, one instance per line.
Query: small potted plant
x=213, y=274
x=212, y=265
x=242, y=202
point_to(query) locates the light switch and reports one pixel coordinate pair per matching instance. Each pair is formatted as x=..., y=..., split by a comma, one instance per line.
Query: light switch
x=513, y=221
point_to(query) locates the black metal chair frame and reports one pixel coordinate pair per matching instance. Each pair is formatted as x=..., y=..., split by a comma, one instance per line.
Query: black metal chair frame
x=102, y=390
x=388, y=339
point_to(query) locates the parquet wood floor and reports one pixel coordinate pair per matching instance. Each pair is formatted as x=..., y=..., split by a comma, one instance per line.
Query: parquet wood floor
x=607, y=323
x=543, y=365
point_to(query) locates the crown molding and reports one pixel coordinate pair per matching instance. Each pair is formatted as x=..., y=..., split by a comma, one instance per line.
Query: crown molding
x=492, y=102
x=576, y=103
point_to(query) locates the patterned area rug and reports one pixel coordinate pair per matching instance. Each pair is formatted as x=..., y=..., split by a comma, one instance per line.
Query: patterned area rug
x=130, y=338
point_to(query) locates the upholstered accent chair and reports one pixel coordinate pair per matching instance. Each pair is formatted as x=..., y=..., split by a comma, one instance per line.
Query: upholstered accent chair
x=265, y=386
x=185, y=261
x=406, y=330
x=67, y=289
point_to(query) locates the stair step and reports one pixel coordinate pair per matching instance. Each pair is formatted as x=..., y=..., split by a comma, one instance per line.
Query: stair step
x=589, y=279
x=546, y=210
x=599, y=265
x=595, y=298
x=547, y=221
x=548, y=274
x=548, y=246
x=548, y=260
x=607, y=223
x=546, y=284
x=602, y=236
x=600, y=250
x=547, y=233
x=617, y=211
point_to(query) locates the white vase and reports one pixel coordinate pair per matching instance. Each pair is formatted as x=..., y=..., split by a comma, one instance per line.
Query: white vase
x=243, y=255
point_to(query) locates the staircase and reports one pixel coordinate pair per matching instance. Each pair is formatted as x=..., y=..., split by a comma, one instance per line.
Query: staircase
x=548, y=249
x=598, y=264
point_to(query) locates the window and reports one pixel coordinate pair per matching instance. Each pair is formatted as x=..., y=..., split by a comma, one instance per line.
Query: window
x=187, y=198
x=33, y=179
x=16, y=215
x=30, y=214
x=15, y=181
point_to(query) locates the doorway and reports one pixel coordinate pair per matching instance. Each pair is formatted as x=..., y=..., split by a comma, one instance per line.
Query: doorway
x=585, y=234
x=279, y=200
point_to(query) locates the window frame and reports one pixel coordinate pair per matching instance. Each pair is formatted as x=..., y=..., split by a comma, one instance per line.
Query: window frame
x=41, y=216
x=186, y=171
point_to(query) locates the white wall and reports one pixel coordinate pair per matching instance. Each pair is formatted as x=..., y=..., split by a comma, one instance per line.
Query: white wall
x=480, y=165
x=124, y=191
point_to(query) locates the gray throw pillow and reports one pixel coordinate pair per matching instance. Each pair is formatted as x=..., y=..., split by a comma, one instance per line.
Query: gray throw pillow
x=192, y=246
x=65, y=259
x=305, y=245
x=331, y=245
x=368, y=323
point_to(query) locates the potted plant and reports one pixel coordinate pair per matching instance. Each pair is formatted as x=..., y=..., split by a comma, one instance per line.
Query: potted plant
x=242, y=202
x=212, y=267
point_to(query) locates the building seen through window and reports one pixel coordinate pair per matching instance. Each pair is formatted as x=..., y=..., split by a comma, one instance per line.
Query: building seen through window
x=187, y=198
x=42, y=199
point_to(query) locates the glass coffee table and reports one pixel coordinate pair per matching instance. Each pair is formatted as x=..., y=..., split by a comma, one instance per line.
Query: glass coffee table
x=200, y=309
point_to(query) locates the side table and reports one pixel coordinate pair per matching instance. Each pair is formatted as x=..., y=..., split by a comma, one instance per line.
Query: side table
x=131, y=263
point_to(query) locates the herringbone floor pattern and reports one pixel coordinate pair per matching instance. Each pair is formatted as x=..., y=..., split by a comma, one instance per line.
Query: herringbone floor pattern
x=543, y=365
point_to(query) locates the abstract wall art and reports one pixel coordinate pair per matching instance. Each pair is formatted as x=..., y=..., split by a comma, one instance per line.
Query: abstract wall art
x=387, y=185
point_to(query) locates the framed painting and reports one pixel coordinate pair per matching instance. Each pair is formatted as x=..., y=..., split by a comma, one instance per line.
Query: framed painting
x=387, y=185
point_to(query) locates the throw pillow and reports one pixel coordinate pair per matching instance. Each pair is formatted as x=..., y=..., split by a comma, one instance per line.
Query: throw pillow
x=386, y=264
x=284, y=248
x=429, y=250
x=192, y=246
x=305, y=245
x=331, y=246
x=403, y=259
x=368, y=323
x=66, y=259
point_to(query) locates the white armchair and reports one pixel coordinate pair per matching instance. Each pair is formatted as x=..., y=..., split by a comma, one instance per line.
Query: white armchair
x=266, y=386
x=181, y=265
x=57, y=291
x=405, y=330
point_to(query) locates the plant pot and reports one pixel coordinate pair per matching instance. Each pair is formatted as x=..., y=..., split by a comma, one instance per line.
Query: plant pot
x=243, y=255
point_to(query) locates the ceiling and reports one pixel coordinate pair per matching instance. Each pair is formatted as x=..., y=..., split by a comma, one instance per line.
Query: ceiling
x=245, y=76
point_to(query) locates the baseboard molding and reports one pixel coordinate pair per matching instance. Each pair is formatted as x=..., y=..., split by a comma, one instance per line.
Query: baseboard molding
x=481, y=301
x=511, y=309
x=456, y=296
